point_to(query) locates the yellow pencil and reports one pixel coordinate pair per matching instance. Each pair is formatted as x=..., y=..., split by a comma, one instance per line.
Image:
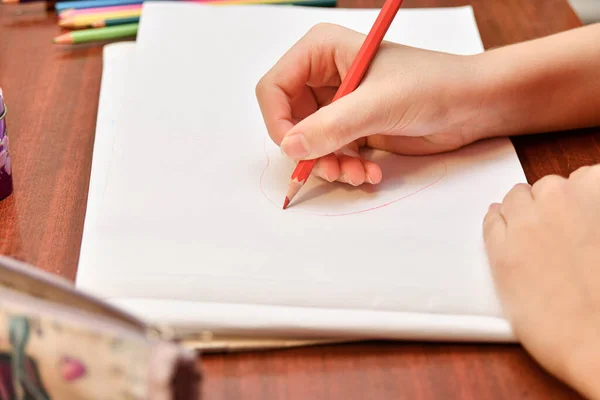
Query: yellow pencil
x=88, y=20
x=66, y=13
x=89, y=11
x=313, y=3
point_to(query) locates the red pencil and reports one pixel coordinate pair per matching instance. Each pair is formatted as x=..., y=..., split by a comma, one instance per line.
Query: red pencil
x=349, y=84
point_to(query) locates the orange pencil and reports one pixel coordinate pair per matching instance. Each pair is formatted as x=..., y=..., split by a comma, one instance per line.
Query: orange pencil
x=349, y=84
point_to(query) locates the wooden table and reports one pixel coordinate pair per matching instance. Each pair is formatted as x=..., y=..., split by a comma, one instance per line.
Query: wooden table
x=52, y=95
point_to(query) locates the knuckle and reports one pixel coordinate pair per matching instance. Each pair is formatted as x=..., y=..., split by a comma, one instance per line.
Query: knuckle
x=550, y=185
x=515, y=192
x=258, y=89
x=519, y=187
x=579, y=172
x=488, y=220
x=321, y=28
x=332, y=131
x=595, y=168
x=261, y=86
x=326, y=34
x=491, y=218
x=594, y=172
x=588, y=172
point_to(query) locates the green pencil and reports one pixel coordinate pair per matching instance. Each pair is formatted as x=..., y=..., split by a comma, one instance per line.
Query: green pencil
x=308, y=3
x=115, y=22
x=314, y=3
x=96, y=35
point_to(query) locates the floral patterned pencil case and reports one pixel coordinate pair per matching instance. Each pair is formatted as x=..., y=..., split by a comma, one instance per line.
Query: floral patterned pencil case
x=57, y=343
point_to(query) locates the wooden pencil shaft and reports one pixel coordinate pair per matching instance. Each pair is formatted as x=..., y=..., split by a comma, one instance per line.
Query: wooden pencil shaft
x=116, y=21
x=311, y=3
x=49, y=2
x=109, y=33
x=102, y=16
x=86, y=11
x=84, y=4
x=90, y=21
x=354, y=76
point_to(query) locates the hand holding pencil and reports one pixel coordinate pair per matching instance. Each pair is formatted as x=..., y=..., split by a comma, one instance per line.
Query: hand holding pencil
x=350, y=82
x=402, y=105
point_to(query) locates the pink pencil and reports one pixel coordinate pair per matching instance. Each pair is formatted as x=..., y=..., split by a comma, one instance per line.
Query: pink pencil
x=100, y=10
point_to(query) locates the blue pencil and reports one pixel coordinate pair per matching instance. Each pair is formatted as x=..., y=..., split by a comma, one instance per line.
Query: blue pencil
x=67, y=5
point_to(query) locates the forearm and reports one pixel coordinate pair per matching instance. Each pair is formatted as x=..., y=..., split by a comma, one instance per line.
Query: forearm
x=543, y=85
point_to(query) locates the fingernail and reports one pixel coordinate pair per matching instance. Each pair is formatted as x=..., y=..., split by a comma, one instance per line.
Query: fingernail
x=349, y=152
x=295, y=146
x=368, y=179
x=344, y=178
x=322, y=174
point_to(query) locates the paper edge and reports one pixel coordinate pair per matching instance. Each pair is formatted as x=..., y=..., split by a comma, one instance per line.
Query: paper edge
x=311, y=322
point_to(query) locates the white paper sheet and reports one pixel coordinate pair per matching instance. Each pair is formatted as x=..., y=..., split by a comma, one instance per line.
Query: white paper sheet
x=117, y=59
x=187, y=232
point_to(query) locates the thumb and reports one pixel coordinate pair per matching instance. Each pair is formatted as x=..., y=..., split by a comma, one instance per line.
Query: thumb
x=331, y=128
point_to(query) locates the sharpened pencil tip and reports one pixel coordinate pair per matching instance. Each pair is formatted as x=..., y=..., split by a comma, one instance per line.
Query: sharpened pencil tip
x=286, y=203
x=63, y=39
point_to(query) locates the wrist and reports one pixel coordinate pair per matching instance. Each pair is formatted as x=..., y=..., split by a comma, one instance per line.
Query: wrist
x=507, y=97
x=464, y=103
x=515, y=96
x=480, y=102
x=544, y=85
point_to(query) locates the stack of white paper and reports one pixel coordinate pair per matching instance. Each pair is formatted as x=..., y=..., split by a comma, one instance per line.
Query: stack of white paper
x=184, y=222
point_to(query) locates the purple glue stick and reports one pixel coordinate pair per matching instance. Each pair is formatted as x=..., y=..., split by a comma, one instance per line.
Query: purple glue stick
x=6, y=185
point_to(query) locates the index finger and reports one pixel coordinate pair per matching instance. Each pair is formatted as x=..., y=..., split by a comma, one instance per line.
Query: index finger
x=312, y=61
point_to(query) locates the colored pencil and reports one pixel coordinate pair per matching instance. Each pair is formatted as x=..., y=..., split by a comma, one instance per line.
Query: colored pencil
x=98, y=34
x=63, y=6
x=18, y=1
x=85, y=11
x=25, y=1
x=87, y=20
x=314, y=3
x=307, y=3
x=349, y=84
x=115, y=22
x=77, y=5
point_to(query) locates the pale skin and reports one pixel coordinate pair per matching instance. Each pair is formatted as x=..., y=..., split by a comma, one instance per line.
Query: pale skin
x=543, y=240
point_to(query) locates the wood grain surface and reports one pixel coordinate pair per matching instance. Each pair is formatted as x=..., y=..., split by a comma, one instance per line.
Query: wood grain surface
x=52, y=96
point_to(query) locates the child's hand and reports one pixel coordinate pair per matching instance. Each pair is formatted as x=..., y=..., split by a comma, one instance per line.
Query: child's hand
x=411, y=101
x=544, y=247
